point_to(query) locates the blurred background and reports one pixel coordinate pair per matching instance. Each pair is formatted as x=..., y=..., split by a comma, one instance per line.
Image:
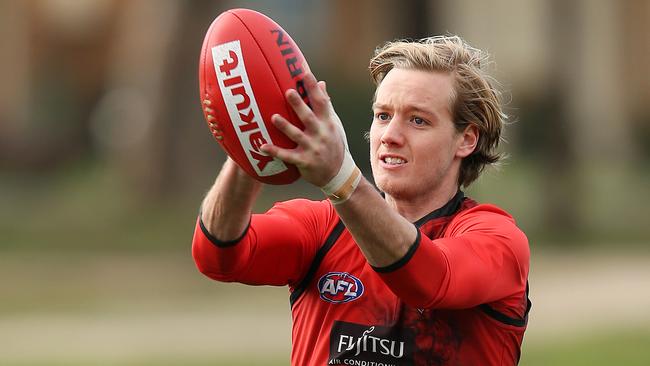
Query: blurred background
x=105, y=157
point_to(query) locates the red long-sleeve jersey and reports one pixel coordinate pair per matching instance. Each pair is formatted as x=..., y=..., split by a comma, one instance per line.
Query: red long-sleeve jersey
x=458, y=297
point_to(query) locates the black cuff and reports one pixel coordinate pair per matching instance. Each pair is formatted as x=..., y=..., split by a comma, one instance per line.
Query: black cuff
x=402, y=261
x=221, y=243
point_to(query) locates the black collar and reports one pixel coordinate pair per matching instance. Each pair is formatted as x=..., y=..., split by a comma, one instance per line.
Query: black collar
x=447, y=210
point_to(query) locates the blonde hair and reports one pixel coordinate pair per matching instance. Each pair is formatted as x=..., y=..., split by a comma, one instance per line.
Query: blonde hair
x=476, y=100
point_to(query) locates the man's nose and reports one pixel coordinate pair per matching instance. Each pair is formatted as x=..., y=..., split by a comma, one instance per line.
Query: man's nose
x=393, y=133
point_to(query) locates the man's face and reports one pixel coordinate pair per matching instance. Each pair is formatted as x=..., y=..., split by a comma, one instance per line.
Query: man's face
x=415, y=150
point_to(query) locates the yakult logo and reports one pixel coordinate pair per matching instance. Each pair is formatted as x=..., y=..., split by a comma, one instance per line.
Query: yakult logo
x=339, y=287
x=242, y=107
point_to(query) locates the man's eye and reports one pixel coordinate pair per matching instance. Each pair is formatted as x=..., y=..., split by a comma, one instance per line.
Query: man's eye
x=383, y=116
x=419, y=121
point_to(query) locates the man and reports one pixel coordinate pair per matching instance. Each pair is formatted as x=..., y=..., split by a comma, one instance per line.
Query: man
x=418, y=275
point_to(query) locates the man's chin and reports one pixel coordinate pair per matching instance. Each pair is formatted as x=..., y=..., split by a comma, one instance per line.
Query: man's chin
x=393, y=188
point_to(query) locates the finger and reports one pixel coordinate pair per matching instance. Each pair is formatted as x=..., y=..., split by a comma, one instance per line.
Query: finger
x=286, y=155
x=302, y=110
x=294, y=133
x=317, y=97
x=338, y=125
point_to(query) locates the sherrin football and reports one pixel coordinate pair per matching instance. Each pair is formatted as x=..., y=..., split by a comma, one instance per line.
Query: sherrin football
x=247, y=63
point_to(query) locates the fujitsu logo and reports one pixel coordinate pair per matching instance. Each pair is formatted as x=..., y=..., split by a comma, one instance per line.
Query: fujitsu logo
x=369, y=343
x=242, y=107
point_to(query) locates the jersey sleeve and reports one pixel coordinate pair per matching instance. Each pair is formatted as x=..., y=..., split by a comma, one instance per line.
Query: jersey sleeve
x=482, y=258
x=276, y=248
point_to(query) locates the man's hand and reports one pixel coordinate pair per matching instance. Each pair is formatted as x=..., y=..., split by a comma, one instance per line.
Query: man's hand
x=321, y=146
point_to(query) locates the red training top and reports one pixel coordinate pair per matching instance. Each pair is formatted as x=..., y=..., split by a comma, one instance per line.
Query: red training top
x=458, y=297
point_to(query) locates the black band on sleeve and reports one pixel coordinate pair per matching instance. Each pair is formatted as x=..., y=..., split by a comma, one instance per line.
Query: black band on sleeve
x=402, y=261
x=516, y=322
x=221, y=243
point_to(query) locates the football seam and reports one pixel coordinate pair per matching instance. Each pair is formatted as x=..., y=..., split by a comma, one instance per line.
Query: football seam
x=203, y=61
x=206, y=70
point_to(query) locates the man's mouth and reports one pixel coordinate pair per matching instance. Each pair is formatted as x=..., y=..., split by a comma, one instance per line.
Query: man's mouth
x=392, y=160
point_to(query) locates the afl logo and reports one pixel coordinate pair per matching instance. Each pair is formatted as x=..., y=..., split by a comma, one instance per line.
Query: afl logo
x=339, y=287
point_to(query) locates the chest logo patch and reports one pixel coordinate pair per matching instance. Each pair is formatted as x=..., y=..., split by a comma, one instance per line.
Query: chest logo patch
x=339, y=287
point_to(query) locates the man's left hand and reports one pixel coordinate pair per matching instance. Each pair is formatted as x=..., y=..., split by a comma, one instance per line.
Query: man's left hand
x=321, y=145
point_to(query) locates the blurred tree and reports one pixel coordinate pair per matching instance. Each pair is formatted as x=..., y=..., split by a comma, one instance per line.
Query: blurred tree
x=151, y=100
x=55, y=59
x=550, y=129
x=130, y=121
x=636, y=48
x=15, y=76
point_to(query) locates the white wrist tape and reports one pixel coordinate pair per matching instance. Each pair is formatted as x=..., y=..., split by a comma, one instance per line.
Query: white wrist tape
x=340, y=188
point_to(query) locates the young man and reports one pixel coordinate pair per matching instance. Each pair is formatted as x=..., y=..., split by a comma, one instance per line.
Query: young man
x=420, y=275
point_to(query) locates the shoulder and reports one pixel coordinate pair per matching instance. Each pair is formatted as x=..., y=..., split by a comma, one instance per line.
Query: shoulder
x=482, y=216
x=303, y=206
x=316, y=215
x=490, y=222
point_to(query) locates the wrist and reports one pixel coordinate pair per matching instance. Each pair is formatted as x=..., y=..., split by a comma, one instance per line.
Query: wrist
x=340, y=188
x=239, y=178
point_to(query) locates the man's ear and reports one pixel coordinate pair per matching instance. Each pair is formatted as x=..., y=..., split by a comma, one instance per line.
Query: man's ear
x=468, y=141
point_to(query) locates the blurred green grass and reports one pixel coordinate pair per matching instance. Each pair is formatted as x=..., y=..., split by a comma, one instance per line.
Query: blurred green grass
x=615, y=348
x=153, y=361
x=612, y=347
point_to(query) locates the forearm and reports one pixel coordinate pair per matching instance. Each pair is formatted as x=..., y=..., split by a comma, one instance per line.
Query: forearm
x=227, y=207
x=277, y=249
x=383, y=235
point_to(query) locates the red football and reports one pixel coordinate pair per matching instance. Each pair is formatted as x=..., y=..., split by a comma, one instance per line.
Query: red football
x=247, y=63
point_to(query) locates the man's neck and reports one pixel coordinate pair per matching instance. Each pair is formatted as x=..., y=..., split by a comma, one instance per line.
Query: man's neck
x=414, y=208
